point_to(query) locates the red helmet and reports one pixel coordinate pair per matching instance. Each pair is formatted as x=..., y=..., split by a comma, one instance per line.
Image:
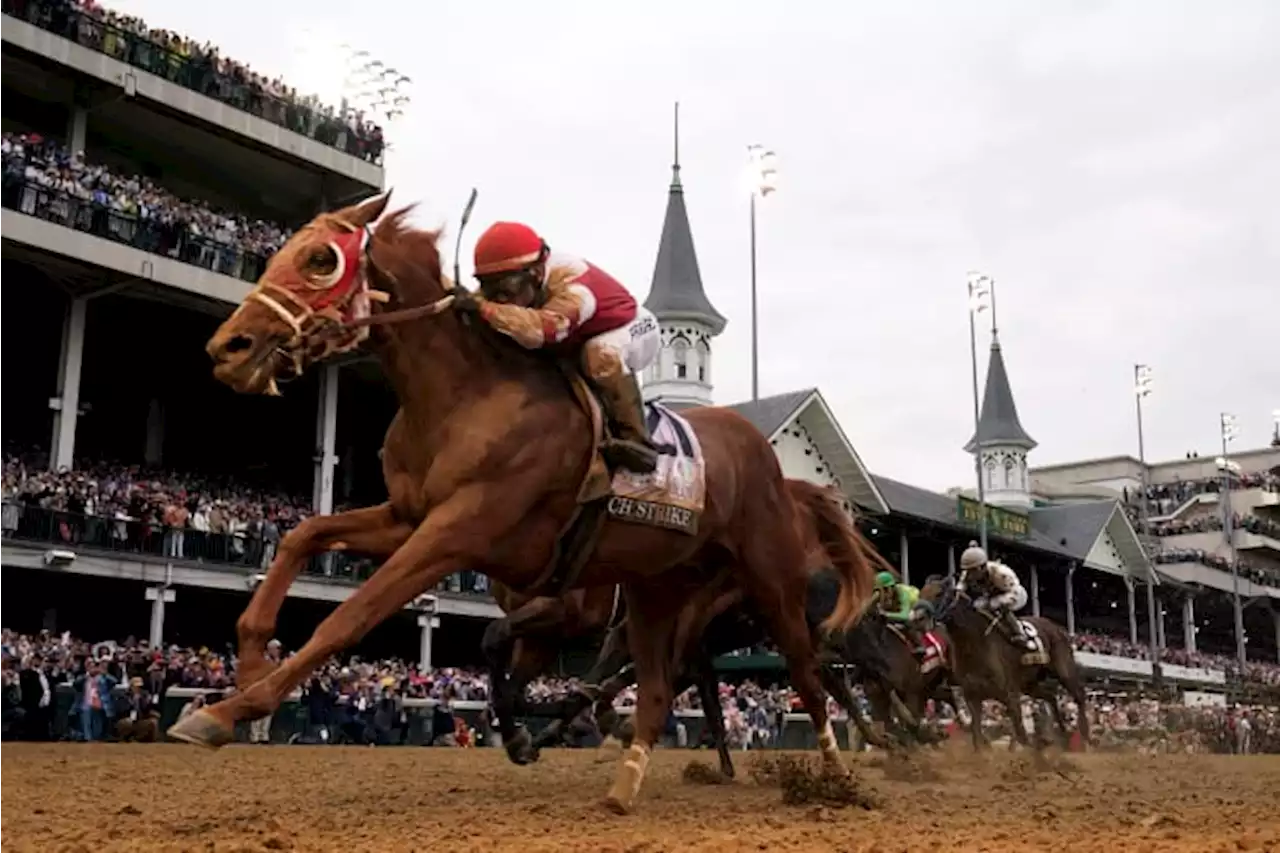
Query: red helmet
x=506, y=247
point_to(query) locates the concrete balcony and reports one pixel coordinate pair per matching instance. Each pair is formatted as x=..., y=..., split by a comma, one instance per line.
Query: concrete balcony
x=131, y=83
x=1257, y=543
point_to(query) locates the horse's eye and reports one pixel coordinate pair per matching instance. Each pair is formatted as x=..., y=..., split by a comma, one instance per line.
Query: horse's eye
x=321, y=261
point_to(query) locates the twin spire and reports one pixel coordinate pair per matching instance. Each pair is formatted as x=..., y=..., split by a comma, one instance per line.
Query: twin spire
x=676, y=293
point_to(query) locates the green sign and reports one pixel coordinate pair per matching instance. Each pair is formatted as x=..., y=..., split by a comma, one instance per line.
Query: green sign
x=1000, y=521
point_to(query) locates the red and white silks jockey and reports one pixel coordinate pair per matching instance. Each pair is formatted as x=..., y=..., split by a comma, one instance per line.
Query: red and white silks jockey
x=542, y=299
x=998, y=591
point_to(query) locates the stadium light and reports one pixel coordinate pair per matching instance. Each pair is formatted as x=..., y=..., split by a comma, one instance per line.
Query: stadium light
x=1230, y=430
x=762, y=177
x=1142, y=376
x=981, y=297
x=324, y=64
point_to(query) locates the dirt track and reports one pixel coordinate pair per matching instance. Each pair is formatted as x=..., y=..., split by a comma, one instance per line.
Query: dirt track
x=68, y=797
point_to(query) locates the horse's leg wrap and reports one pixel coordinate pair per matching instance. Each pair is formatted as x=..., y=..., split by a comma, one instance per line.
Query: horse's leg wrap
x=626, y=785
x=830, y=747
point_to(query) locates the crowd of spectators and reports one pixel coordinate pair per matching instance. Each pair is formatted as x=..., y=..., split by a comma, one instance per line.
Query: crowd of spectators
x=118, y=688
x=201, y=67
x=166, y=514
x=1164, y=498
x=127, y=507
x=1258, y=672
x=1248, y=568
x=42, y=178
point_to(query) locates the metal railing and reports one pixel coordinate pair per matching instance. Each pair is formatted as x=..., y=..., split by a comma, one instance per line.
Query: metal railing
x=246, y=550
x=212, y=76
x=170, y=239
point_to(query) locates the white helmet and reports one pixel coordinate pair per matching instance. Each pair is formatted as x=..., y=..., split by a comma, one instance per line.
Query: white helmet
x=973, y=558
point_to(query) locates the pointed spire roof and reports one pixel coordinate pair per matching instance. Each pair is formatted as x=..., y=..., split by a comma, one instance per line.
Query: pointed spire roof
x=676, y=292
x=998, y=423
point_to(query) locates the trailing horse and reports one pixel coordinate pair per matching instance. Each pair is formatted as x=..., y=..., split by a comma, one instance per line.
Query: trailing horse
x=492, y=465
x=986, y=665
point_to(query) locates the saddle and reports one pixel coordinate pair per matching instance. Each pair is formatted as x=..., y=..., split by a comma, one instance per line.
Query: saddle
x=672, y=497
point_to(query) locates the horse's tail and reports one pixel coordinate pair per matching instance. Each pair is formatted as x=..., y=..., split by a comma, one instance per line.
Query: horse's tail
x=853, y=558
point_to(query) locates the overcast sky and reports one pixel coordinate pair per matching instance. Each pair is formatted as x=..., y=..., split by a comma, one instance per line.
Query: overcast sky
x=1111, y=164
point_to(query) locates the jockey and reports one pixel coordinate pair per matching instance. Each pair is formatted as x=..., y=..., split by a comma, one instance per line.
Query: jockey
x=1000, y=592
x=542, y=299
x=897, y=603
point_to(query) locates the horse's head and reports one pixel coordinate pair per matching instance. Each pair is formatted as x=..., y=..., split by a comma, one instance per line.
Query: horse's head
x=942, y=594
x=316, y=297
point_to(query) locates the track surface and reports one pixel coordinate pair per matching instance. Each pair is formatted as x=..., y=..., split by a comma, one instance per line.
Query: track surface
x=104, y=797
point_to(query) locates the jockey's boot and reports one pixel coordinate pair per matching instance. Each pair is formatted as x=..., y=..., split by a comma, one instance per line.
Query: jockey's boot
x=630, y=446
x=1013, y=627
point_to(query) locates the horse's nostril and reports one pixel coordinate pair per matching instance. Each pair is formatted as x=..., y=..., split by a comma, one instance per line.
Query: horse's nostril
x=239, y=343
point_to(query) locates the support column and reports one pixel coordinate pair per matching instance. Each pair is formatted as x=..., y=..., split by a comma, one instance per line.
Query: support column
x=326, y=435
x=159, y=596
x=66, y=403
x=428, y=624
x=153, y=452
x=1071, y=600
x=1153, y=618
x=905, y=568
x=77, y=129
x=1161, y=640
x=951, y=561
x=1035, y=590
x=1189, y=624
x=1133, y=610
x=1275, y=618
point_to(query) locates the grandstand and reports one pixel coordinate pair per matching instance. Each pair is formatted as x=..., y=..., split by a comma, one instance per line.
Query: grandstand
x=145, y=184
x=144, y=187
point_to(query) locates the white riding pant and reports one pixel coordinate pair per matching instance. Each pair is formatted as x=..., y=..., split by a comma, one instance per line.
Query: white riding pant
x=1013, y=600
x=633, y=347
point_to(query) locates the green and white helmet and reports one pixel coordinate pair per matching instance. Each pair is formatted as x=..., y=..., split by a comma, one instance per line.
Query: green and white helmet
x=973, y=558
x=884, y=580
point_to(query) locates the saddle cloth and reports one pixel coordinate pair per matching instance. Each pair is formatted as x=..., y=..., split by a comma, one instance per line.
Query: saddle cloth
x=674, y=495
x=1040, y=656
x=934, y=648
x=935, y=652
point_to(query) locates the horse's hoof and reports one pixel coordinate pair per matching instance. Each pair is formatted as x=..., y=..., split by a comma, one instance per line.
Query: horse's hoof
x=520, y=749
x=201, y=729
x=617, y=805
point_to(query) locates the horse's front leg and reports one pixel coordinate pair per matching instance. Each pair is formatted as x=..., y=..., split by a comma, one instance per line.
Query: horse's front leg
x=446, y=542
x=373, y=531
x=610, y=661
x=975, y=722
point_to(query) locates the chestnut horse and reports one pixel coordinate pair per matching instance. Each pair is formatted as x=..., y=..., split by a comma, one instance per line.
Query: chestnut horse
x=484, y=464
x=718, y=620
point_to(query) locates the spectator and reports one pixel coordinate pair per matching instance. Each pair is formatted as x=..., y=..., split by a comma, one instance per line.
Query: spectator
x=94, y=700
x=37, y=700
x=138, y=718
x=11, y=711
x=260, y=729
x=45, y=180
x=199, y=66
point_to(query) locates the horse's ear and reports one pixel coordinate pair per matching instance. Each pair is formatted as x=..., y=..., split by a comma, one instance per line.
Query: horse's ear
x=366, y=211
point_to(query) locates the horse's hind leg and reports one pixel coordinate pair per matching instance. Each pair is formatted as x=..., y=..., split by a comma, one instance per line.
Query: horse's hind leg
x=651, y=616
x=781, y=598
